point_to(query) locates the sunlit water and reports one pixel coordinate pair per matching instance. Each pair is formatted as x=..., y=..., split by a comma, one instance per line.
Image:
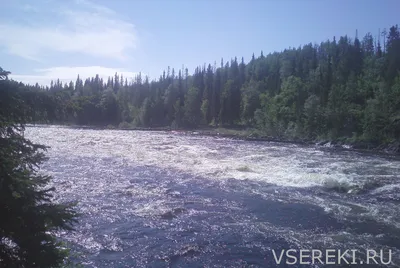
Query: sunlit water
x=167, y=199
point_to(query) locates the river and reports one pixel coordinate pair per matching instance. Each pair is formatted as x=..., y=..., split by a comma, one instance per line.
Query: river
x=168, y=199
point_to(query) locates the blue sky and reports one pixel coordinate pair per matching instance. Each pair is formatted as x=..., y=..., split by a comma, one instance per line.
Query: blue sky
x=48, y=39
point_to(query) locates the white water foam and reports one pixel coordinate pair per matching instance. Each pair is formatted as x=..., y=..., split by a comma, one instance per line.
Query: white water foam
x=205, y=156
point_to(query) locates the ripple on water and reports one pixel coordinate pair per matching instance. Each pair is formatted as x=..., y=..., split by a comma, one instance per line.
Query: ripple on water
x=143, y=207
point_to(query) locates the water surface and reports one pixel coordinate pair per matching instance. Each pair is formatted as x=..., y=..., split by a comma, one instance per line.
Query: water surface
x=163, y=199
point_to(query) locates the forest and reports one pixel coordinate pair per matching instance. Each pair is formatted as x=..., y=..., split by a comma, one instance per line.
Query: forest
x=345, y=89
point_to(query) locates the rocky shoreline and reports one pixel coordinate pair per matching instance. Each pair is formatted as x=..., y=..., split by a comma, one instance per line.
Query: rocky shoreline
x=392, y=148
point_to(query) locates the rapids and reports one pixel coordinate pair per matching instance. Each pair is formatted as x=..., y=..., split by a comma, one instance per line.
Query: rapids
x=163, y=199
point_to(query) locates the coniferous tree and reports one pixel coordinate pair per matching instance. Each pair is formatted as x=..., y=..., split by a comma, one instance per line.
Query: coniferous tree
x=29, y=218
x=339, y=89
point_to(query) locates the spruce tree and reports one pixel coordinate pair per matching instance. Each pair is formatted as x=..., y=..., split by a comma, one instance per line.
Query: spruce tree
x=28, y=216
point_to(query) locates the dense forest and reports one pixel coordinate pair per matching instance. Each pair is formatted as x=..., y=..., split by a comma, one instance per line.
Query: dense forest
x=342, y=89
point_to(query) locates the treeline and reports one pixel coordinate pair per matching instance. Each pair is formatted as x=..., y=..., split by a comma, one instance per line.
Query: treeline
x=340, y=89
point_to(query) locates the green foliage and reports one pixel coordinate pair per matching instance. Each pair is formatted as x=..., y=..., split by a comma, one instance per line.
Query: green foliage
x=227, y=115
x=29, y=218
x=250, y=100
x=340, y=89
x=109, y=107
x=205, y=110
x=192, y=107
x=145, y=113
x=312, y=116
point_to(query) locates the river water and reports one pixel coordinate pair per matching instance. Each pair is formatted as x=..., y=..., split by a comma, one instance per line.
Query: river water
x=168, y=199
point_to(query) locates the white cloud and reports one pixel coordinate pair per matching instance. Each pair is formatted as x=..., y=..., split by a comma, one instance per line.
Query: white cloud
x=88, y=29
x=67, y=74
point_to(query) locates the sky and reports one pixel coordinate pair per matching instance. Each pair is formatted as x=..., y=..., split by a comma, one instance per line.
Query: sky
x=43, y=40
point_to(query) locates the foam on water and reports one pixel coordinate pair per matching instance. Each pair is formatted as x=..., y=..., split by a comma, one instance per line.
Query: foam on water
x=136, y=184
x=205, y=156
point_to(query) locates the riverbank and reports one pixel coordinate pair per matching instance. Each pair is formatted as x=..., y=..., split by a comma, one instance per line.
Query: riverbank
x=255, y=135
x=252, y=134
